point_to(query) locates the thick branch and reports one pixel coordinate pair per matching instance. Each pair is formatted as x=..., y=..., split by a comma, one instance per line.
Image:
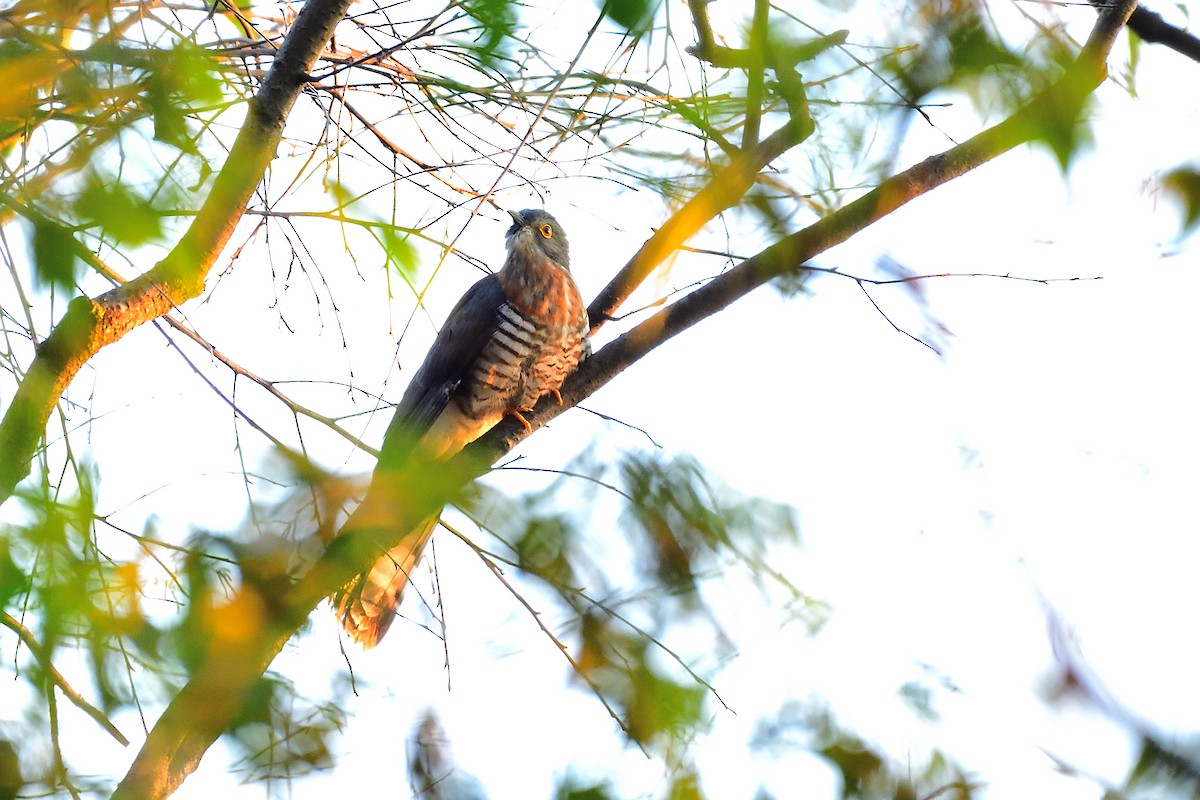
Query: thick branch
x=1151, y=27
x=92, y=323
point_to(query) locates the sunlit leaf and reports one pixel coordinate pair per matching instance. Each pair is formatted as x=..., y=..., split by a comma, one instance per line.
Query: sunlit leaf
x=23, y=71
x=1058, y=126
x=659, y=705
x=399, y=251
x=685, y=787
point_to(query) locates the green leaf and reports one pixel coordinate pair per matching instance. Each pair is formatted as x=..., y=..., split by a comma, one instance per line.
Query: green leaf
x=974, y=49
x=55, y=257
x=685, y=787
x=635, y=16
x=858, y=764
x=498, y=22
x=177, y=80
x=13, y=579
x=11, y=782
x=686, y=521
x=569, y=790
x=399, y=252
x=119, y=212
x=659, y=705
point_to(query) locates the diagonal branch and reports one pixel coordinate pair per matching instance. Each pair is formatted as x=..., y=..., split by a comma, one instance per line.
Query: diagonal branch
x=92, y=323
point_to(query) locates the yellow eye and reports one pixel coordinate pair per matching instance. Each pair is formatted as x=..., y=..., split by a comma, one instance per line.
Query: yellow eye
x=546, y=230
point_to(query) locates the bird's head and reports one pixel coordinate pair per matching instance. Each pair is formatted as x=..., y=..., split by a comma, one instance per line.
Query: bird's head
x=534, y=229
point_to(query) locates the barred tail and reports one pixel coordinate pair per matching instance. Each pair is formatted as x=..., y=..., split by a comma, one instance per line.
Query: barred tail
x=368, y=604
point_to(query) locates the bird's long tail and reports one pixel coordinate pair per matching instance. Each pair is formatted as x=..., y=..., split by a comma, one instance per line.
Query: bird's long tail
x=367, y=605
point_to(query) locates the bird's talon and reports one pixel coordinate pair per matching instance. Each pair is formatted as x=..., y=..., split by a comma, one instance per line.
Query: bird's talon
x=523, y=421
x=557, y=396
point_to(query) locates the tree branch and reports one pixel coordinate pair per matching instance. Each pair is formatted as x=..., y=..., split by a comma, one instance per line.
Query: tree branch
x=1151, y=27
x=92, y=323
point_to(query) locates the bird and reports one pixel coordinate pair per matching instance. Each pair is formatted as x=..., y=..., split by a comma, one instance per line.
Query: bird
x=513, y=338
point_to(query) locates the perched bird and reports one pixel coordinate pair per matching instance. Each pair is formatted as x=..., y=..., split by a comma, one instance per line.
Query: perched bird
x=512, y=339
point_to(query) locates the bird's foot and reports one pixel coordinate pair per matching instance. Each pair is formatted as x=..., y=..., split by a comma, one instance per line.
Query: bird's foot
x=557, y=396
x=522, y=420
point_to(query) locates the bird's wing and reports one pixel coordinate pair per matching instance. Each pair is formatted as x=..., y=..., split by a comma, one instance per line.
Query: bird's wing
x=449, y=361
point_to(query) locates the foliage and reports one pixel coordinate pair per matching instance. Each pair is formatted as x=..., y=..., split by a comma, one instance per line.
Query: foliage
x=117, y=121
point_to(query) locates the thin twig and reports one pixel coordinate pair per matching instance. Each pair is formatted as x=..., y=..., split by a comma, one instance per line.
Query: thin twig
x=39, y=652
x=537, y=618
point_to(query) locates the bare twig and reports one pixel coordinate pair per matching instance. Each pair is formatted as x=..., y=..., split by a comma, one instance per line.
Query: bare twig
x=39, y=652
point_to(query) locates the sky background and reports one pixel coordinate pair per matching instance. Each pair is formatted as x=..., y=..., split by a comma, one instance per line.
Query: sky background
x=1042, y=467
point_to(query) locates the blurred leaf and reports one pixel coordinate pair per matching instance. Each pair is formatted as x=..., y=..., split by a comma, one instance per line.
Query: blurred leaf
x=570, y=790
x=975, y=48
x=545, y=548
x=618, y=662
x=399, y=251
x=282, y=734
x=859, y=765
x=1183, y=184
x=635, y=16
x=498, y=23
x=178, y=79
x=919, y=698
x=24, y=70
x=11, y=781
x=1163, y=772
x=121, y=214
x=201, y=576
x=54, y=255
x=685, y=787
x=686, y=521
x=14, y=580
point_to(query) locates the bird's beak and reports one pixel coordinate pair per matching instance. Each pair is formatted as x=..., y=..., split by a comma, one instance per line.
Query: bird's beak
x=517, y=218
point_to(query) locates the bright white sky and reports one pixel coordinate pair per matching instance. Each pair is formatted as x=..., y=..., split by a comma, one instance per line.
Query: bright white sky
x=1046, y=461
